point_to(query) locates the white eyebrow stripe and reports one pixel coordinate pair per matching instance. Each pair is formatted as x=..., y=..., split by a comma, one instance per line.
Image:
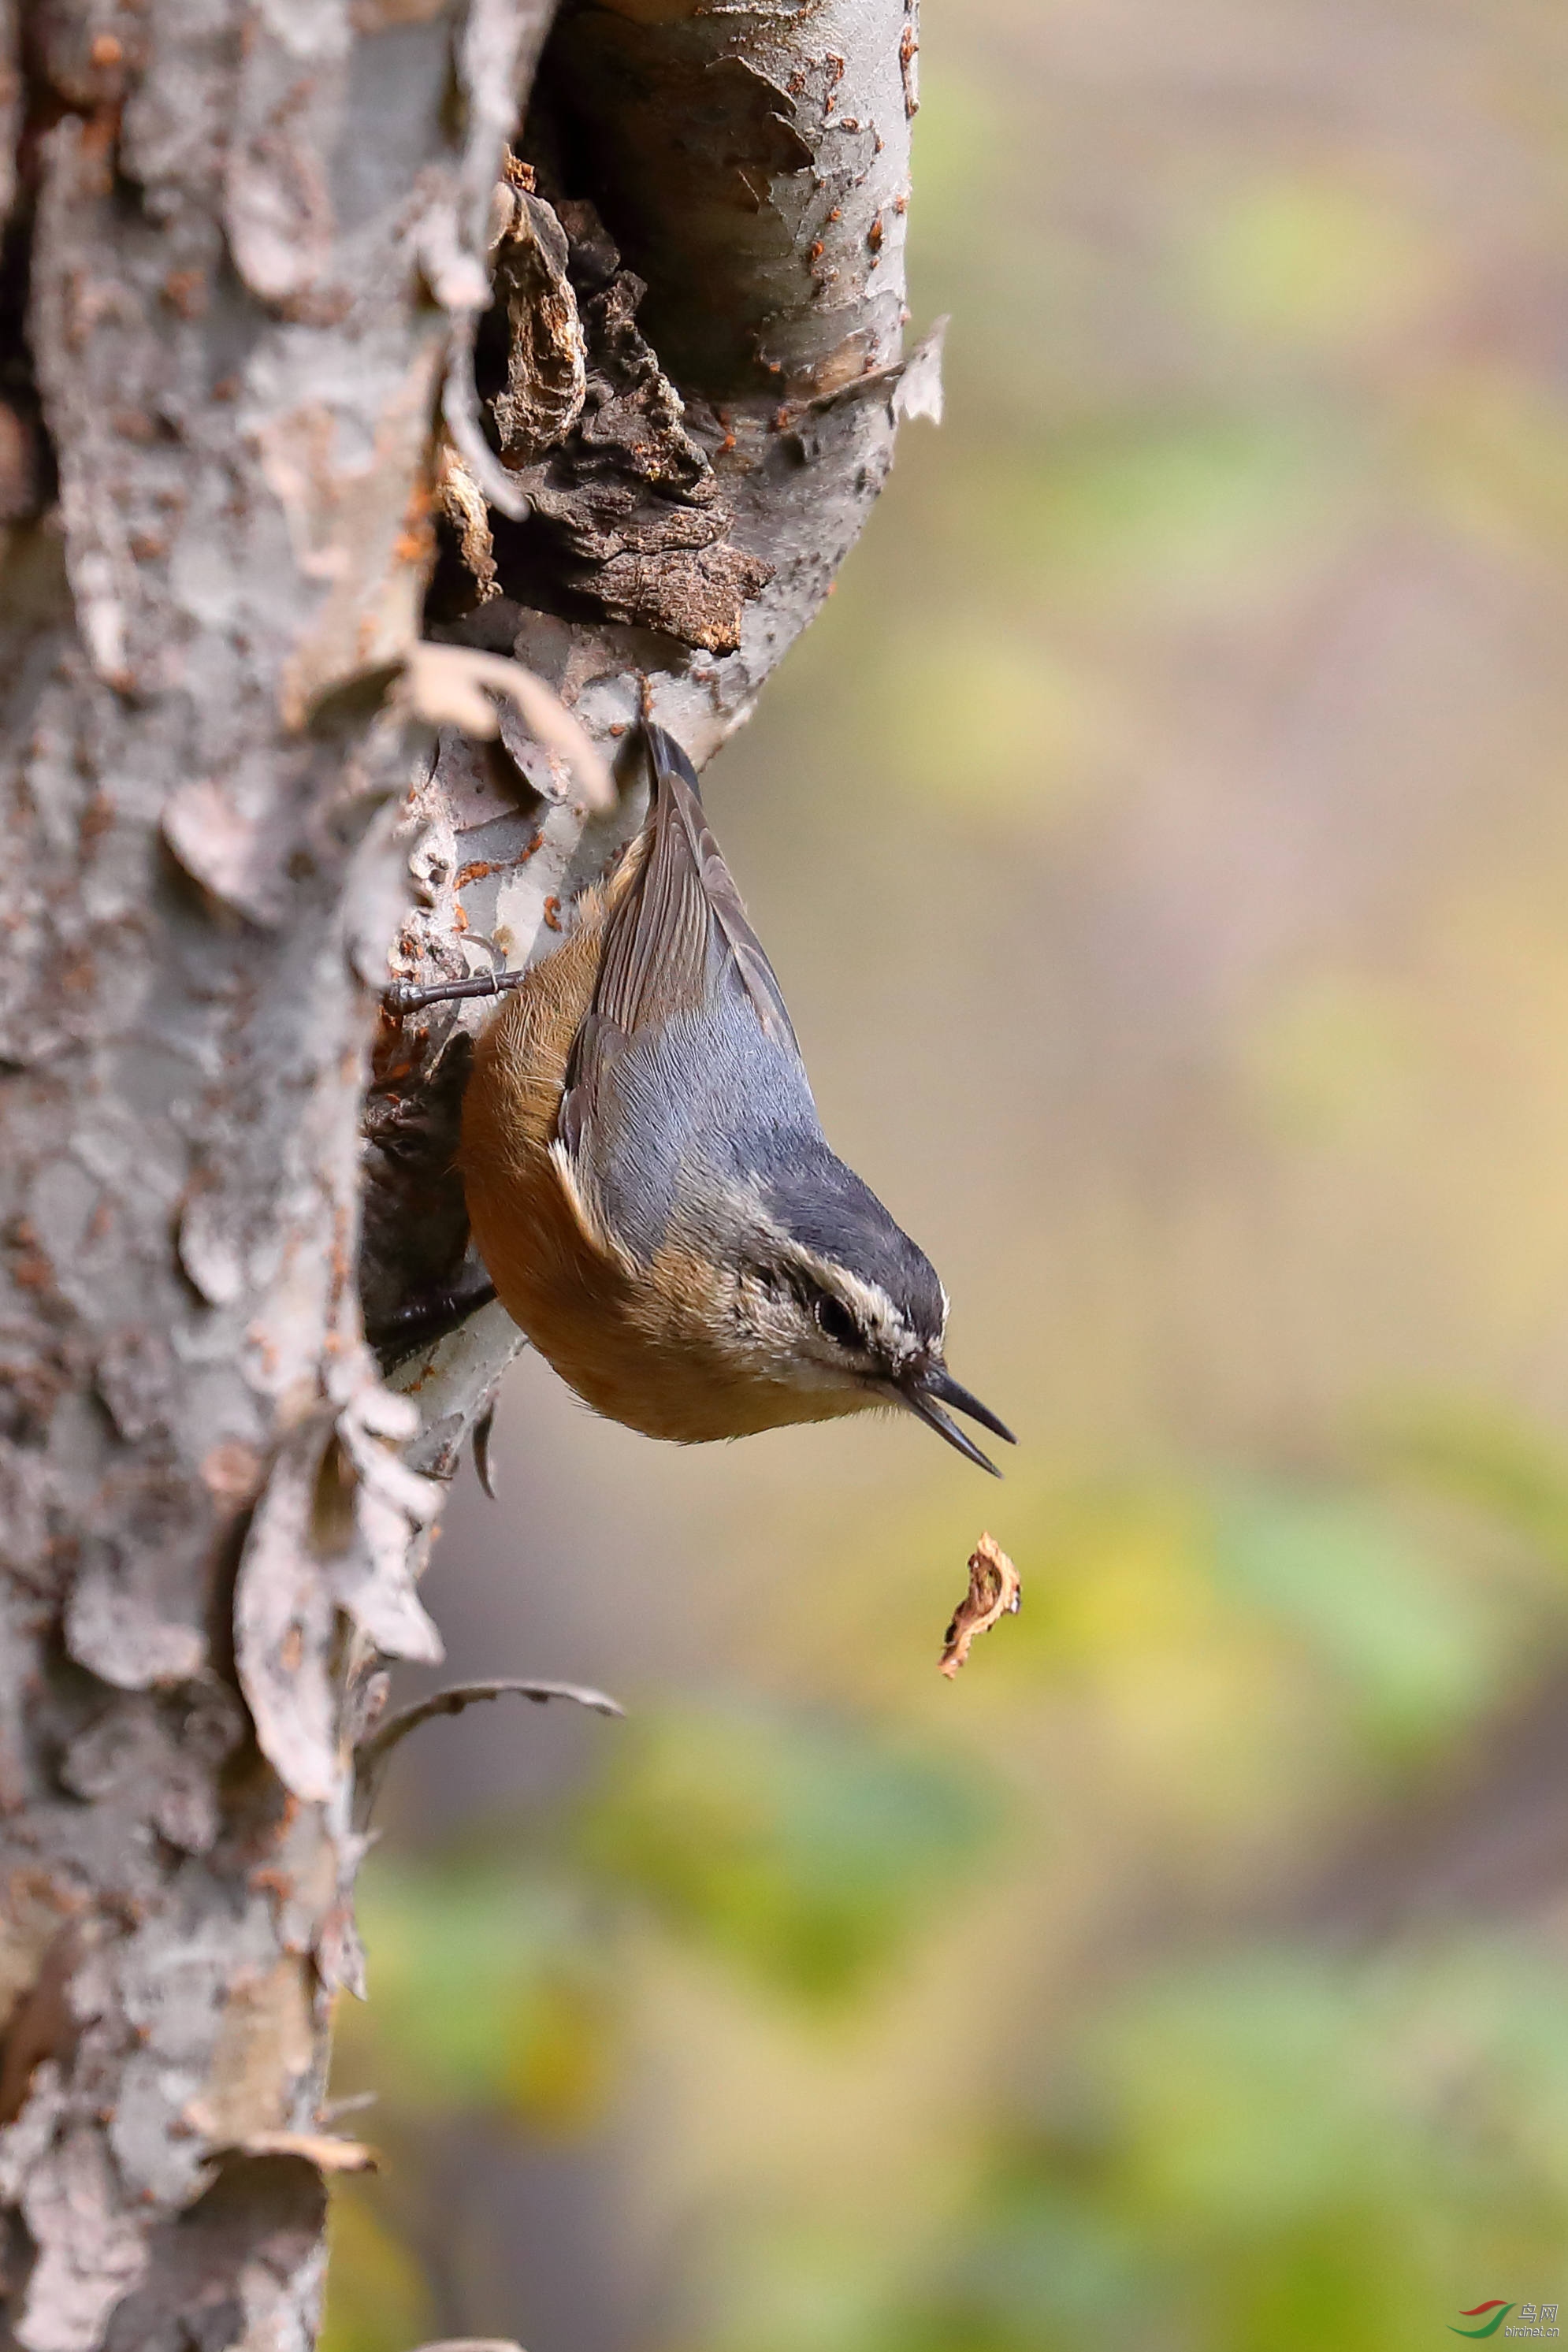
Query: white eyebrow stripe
x=873, y=1309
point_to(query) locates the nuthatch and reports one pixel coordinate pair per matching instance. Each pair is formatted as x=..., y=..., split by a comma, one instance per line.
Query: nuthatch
x=648, y=1184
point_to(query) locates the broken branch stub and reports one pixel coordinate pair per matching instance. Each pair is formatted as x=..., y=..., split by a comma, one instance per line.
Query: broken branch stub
x=709, y=207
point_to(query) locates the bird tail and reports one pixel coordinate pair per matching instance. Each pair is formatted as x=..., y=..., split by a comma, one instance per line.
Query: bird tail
x=667, y=757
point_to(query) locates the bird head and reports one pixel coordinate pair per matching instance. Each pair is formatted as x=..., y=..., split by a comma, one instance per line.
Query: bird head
x=837, y=1299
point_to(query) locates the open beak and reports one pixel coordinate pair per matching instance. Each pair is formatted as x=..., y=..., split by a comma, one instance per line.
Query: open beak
x=929, y=1389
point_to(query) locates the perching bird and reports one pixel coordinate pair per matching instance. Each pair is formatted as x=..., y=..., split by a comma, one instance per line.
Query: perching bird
x=648, y=1184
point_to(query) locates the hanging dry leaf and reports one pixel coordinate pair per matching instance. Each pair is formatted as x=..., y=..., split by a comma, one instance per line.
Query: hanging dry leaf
x=995, y=1591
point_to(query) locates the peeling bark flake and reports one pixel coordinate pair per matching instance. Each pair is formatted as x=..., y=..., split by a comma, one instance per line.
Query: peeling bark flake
x=244, y=267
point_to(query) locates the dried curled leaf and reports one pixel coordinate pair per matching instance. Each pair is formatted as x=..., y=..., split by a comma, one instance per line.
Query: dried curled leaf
x=995, y=1591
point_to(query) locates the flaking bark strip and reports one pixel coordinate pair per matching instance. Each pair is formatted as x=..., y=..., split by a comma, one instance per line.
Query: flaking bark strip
x=546, y=353
x=623, y=511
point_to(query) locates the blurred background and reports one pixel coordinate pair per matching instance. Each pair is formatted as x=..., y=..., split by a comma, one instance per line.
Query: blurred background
x=1162, y=841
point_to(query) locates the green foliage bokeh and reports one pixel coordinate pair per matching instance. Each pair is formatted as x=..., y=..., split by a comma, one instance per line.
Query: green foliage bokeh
x=1189, y=735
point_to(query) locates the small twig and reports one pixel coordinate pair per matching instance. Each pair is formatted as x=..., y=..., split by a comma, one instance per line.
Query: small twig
x=419, y=1322
x=372, y=1757
x=324, y=2149
x=334, y=2110
x=484, y=1429
x=460, y=414
x=473, y=2344
x=403, y=996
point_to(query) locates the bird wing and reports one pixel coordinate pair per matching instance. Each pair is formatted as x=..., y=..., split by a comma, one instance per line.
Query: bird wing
x=655, y=949
x=655, y=964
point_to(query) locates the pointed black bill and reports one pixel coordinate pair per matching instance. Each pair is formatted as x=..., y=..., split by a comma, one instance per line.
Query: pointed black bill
x=940, y=1384
x=929, y=1412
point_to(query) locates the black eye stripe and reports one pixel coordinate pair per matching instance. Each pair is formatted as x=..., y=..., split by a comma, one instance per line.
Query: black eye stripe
x=827, y=1311
x=834, y=1320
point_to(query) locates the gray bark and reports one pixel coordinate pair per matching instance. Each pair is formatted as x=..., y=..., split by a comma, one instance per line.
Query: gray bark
x=248, y=250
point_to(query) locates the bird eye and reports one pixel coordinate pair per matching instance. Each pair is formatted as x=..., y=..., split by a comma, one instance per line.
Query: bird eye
x=834, y=1320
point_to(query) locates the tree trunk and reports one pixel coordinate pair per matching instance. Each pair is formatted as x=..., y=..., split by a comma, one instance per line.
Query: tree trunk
x=253, y=384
